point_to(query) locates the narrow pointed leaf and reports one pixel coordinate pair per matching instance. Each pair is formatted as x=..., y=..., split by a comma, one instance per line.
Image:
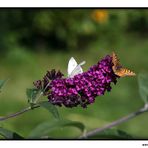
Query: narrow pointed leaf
x=7, y=134
x=143, y=87
x=32, y=95
x=2, y=82
x=51, y=108
x=45, y=128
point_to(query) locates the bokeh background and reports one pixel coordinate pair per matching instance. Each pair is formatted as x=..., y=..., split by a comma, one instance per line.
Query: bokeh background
x=33, y=41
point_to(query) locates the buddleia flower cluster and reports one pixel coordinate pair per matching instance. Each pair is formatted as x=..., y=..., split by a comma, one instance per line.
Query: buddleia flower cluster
x=82, y=89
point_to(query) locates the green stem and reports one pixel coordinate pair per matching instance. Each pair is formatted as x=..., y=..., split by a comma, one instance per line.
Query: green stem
x=23, y=110
x=18, y=113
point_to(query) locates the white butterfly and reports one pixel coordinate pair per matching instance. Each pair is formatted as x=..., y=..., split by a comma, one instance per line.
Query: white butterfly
x=74, y=68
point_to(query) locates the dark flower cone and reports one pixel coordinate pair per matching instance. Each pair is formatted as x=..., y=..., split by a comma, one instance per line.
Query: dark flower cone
x=83, y=88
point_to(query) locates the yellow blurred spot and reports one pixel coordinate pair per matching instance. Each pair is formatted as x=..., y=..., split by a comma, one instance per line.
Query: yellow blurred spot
x=100, y=16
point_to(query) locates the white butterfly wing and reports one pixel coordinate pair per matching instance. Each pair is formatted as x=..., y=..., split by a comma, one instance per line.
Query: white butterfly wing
x=71, y=66
x=77, y=70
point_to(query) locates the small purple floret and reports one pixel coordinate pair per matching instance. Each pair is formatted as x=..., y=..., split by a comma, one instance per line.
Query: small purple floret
x=83, y=88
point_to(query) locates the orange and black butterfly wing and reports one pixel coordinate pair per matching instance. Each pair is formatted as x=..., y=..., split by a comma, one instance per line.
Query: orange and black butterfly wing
x=122, y=72
x=116, y=62
x=118, y=69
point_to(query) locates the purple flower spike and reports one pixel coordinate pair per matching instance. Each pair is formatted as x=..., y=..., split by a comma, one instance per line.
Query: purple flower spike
x=82, y=89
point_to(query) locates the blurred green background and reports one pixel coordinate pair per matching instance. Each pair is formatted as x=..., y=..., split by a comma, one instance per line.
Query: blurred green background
x=33, y=41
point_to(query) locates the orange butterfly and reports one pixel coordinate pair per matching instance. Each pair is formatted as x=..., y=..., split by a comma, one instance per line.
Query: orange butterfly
x=118, y=69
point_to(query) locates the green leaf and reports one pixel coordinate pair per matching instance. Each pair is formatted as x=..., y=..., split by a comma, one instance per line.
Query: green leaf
x=32, y=95
x=111, y=134
x=45, y=128
x=9, y=134
x=143, y=86
x=51, y=108
x=2, y=82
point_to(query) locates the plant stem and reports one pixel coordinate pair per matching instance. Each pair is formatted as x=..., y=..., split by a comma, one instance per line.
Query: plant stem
x=17, y=113
x=115, y=123
x=24, y=110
